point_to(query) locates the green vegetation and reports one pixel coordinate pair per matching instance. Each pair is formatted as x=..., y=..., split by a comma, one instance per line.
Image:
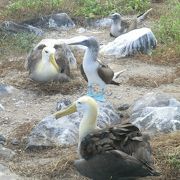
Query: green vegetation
x=174, y=160
x=24, y=9
x=31, y=8
x=16, y=43
x=167, y=31
x=92, y=8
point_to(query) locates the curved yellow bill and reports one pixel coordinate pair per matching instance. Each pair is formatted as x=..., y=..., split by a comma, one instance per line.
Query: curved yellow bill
x=53, y=61
x=69, y=110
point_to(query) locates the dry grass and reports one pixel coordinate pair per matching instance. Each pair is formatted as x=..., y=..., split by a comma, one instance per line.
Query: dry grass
x=166, y=150
x=57, y=163
x=163, y=55
x=150, y=81
x=15, y=74
x=177, y=71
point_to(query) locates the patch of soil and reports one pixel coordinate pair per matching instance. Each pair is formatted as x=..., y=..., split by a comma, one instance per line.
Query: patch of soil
x=151, y=81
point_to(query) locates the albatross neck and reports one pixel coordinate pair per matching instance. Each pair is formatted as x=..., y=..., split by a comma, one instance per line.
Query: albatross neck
x=88, y=123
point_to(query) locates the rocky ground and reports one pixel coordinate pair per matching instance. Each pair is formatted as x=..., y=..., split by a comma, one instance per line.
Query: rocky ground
x=29, y=102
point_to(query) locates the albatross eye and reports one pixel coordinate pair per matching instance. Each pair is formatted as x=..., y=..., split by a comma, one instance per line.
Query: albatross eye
x=46, y=51
x=79, y=102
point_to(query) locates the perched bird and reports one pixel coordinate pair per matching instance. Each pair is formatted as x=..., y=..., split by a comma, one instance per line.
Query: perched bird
x=47, y=63
x=120, y=26
x=113, y=153
x=93, y=70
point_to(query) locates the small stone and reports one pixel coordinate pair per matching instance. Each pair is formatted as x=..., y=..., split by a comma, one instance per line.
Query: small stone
x=1, y=107
x=2, y=142
x=62, y=104
x=123, y=107
x=81, y=30
x=2, y=138
x=6, y=174
x=15, y=142
x=177, y=81
x=6, y=153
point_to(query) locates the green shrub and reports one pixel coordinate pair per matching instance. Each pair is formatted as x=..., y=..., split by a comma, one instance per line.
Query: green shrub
x=167, y=30
x=174, y=160
x=17, y=43
x=24, y=9
x=31, y=8
x=168, y=27
x=92, y=8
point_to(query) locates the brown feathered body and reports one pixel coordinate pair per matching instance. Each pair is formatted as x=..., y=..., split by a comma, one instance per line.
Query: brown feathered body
x=115, y=153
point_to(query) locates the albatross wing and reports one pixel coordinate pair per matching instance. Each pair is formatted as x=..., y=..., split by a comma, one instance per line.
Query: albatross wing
x=116, y=152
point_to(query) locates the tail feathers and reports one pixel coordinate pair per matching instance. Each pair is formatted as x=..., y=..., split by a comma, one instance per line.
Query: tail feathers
x=142, y=16
x=115, y=83
x=117, y=74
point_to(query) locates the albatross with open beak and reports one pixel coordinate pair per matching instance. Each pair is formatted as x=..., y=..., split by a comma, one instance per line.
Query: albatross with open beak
x=111, y=153
x=45, y=64
x=93, y=70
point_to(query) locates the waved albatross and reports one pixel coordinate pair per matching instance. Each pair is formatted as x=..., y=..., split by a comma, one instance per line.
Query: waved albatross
x=46, y=63
x=113, y=153
x=93, y=70
x=120, y=26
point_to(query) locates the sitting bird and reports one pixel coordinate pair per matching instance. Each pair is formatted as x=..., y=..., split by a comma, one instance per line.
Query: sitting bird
x=113, y=153
x=93, y=70
x=120, y=26
x=46, y=64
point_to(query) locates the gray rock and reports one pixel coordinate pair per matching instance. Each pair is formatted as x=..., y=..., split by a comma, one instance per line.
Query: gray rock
x=64, y=131
x=156, y=112
x=61, y=20
x=19, y=28
x=2, y=139
x=57, y=21
x=104, y=22
x=5, y=89
x=15, y=141
x=123, y=107
x=6, y=174
x=6, y=153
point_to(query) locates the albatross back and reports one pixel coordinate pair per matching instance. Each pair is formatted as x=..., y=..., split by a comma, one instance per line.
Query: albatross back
x=114, y=153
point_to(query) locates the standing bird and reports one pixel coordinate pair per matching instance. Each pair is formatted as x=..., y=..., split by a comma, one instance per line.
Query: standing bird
x=47, y=63
x=120, y=26
x=112, y=153
x=93, y=70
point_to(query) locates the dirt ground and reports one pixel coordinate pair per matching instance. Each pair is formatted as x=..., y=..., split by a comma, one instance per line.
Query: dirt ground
x=30, y=102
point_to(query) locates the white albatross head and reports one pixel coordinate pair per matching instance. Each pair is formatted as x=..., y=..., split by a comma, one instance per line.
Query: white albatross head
x=48, y=56
x=89, y=108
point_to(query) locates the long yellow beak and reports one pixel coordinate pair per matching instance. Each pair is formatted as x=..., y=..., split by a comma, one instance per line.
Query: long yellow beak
x=69, y=110
x=53, y=61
